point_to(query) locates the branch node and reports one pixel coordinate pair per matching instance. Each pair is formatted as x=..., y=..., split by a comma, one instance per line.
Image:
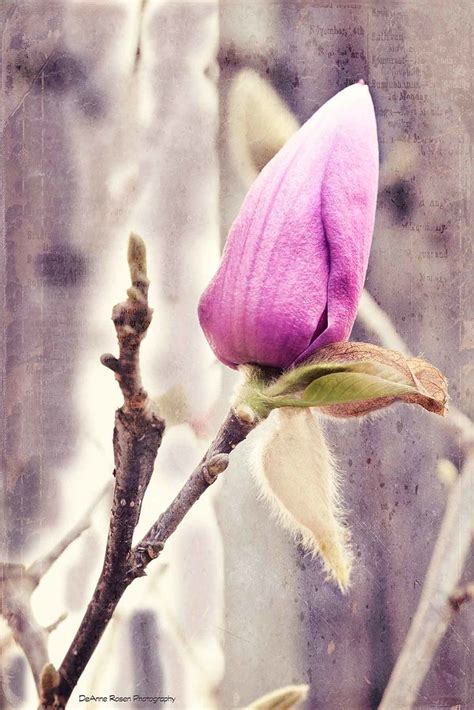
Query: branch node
x=461, y=595
x=154, y=550
x=216, y=465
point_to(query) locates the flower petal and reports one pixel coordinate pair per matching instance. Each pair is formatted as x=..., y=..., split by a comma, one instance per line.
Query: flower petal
x=348, y=202
x=296, y=256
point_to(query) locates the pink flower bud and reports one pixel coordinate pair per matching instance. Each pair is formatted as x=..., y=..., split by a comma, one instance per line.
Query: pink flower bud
x=296, y=256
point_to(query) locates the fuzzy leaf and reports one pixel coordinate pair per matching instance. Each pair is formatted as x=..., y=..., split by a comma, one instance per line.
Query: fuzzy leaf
x=296, y=475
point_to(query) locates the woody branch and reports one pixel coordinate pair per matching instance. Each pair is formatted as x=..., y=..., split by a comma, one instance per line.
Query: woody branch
x=137, y=437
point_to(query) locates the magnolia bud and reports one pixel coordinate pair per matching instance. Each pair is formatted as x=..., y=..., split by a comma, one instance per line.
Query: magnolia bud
x=296, y=256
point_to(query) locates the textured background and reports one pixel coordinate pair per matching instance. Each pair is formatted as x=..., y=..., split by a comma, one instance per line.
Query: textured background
x=116, y=116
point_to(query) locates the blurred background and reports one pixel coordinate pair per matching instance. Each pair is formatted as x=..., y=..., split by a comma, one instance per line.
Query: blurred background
x=156, y=116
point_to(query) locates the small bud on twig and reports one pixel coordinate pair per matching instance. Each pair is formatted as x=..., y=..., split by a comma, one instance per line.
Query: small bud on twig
x=447, y=472
x=110, y=361
x=216, y=465
x=137, y=265
x=461, y=595
x=49, y=681
x=52, y=627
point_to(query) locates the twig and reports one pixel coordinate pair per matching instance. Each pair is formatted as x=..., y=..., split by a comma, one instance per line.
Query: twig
x=436, y=604
x=57, y=622
x=16, y=588
x=17, y=584
x=112, y=584
x=378, y=322
x=38, y=569
x=435, y=607
x=137, y=437
x=231, y=433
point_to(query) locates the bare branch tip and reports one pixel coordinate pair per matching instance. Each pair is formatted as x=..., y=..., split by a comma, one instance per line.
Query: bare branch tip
x=52, y=627
x=137, y=261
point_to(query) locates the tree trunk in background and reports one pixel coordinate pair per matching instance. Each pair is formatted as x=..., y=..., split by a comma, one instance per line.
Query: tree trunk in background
x=45, y=273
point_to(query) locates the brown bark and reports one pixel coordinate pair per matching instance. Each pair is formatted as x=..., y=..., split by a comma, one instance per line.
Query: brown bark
x=137, y=437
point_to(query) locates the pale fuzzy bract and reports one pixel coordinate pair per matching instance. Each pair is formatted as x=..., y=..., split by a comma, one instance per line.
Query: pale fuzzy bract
x=297, y=475
x=259, y=123
x=282, y=699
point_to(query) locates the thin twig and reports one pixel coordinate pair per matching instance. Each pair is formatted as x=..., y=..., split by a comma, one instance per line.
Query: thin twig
x=137, y=436
x=38, y=569
x=17, y=584
x=231, y=433
x=376, y=321
x=57, y=622
x=436, y=604
x=435, y=607
x=16, y=588
x=114, y=581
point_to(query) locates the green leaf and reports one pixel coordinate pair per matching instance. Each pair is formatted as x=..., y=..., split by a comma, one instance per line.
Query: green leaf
x=341, y=387
x=379, y=377
x=300, y=377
